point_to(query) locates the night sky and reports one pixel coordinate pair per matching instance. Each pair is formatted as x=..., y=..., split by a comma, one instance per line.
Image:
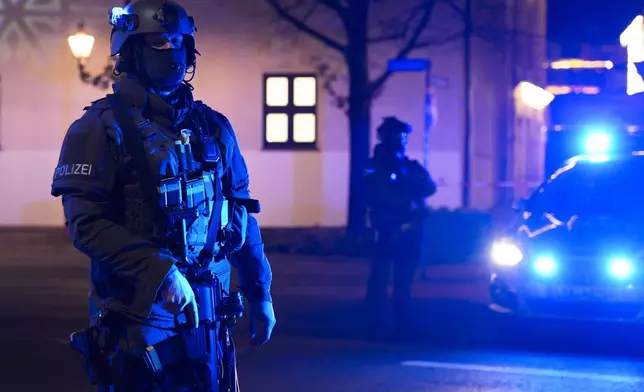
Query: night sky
x=596, y=22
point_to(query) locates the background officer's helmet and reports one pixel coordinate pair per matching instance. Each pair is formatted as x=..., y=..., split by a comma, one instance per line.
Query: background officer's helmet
x=152, y=16
x=392, y=126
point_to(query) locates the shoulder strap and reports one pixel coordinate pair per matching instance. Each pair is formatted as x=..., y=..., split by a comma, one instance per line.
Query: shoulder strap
x=215, y=126
x=218, y=123
x=134, y=145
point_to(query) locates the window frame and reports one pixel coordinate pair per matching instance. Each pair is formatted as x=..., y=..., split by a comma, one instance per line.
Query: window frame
x=290, y=110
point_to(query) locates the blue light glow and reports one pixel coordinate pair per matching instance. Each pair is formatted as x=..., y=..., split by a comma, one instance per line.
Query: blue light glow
x=545, y=265
x=598, y=158
x=597, y=142
x=620, y=268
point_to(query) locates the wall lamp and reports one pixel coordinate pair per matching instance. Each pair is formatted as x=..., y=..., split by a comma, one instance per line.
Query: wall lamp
x=81, y=44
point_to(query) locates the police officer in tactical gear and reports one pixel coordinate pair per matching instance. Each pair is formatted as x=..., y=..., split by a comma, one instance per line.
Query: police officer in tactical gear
x=155, y=192
x=396, y=191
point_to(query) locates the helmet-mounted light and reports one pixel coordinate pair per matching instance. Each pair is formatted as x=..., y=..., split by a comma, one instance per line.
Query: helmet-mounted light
x=121, y=20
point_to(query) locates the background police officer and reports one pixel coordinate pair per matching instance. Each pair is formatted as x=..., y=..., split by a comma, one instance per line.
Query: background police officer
x=139, y=254
x=397, y=188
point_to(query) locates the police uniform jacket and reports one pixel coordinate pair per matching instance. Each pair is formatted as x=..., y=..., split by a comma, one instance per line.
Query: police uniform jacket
x=396, y=189
x=109, y=220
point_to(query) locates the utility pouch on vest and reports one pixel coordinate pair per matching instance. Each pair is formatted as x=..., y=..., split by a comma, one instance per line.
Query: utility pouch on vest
x=210, y=151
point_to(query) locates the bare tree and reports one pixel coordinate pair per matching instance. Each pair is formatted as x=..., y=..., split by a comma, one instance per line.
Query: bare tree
x=360, y=29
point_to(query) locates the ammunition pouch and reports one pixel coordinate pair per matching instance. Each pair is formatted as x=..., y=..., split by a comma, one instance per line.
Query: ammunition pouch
x=190, y=203
x=185, y=204
x=186, y=199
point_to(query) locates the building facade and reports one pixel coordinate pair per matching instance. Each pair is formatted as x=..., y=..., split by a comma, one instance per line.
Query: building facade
x=265, y=77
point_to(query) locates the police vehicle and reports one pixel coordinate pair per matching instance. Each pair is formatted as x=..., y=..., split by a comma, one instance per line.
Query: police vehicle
x=576, y=249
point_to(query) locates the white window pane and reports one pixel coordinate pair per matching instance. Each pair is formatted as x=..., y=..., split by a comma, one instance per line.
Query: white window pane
x=276, y=128
x=304, y=93
x=304, y=128
x=277, y=91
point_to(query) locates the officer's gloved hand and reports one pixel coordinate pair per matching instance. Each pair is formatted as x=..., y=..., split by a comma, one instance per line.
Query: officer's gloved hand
x=262, y=322
x=177, y=296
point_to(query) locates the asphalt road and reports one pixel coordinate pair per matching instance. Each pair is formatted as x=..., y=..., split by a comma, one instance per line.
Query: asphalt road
x=321, y=343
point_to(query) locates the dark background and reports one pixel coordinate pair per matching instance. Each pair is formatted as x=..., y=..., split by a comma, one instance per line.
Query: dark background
x=595, y=22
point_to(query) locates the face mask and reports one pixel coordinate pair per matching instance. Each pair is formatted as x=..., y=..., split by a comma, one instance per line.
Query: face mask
x=166, y=68
x=397, y=144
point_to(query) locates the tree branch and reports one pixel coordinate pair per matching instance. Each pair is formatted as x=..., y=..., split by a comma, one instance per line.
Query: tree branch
x=442, y=41
x=408, y=47
x=303, y=27
x=458, y=10
x=401, y=34
x=333, y=4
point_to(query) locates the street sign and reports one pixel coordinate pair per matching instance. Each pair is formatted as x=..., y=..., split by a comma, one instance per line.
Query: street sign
x=409, y=65
x=425, y=66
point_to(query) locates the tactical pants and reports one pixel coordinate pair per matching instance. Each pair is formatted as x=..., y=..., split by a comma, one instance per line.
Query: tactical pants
x=400, y=251
x=130, y=339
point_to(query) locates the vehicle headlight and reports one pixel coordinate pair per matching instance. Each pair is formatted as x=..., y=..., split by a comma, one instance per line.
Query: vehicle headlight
x=620, y=267
x=505, y=253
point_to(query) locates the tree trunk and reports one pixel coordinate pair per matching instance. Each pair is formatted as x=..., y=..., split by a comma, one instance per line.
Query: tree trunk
x=359, y=115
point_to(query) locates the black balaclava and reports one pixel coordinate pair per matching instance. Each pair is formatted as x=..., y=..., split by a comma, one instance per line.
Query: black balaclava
x=164, y=69
x=393, y=136
x=396, y=142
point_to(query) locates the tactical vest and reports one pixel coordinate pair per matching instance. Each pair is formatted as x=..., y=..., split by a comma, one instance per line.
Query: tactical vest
x=187, y=168
x=190, y=189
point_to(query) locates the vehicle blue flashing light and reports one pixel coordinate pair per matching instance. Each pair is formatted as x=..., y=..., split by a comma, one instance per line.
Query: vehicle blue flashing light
x=545, y=265
x=597, y=142
x=620, y=268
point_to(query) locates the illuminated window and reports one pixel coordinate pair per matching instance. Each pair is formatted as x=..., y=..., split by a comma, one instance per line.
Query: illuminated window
x=304, y=93
x=277, y=91
x=290, y=111
x=562, y=90
x=276, y=128
x=533, y=96
x=581, y=64
x=304, y=128
x=632, y=39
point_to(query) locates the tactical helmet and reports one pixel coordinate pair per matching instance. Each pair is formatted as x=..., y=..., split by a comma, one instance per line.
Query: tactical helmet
x=391, y=126
x=152, y=16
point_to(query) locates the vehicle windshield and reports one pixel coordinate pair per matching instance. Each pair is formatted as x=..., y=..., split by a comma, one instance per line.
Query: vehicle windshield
x=612, y=188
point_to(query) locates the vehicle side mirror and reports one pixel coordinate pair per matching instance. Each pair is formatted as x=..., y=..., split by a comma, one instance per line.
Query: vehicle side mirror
x=520, y=205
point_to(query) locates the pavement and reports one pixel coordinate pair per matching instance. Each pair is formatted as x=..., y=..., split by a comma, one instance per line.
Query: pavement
x=322, y=342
